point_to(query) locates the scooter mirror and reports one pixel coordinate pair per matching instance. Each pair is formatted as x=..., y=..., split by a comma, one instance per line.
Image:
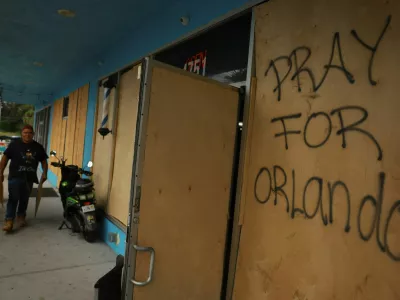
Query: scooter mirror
x=90, y=164
x=53, y=153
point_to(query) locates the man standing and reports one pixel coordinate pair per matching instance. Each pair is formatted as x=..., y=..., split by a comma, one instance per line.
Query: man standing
x=25, y=155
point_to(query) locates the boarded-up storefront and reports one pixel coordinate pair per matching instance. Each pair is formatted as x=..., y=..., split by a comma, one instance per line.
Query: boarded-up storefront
x=102, y=148
x=68, y=127
x=113, y=155
x=321, y=203
x=118, y=205
x=42, y=124
x=57, y=134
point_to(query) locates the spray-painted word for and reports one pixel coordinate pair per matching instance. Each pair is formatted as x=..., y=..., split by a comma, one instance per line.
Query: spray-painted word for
x=346, y=126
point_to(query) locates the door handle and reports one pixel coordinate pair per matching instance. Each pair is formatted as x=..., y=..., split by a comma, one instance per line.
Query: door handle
x=151, y=267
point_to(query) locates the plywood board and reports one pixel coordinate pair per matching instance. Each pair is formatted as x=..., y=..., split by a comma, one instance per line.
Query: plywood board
x=321, y=218
x=102, y=152
x=247, y=149
x=186, y=185
x=61, y=144
x=96, y=119
x=79, y=145
x=68, y=135
x=118, y=204
x=55, y=130
x=71, y=127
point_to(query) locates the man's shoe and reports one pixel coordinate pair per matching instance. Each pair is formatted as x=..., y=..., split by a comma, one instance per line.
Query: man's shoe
x=21, y=221
x=8, y=226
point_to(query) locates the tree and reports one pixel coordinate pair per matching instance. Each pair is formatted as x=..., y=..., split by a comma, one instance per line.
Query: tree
x=14, y=116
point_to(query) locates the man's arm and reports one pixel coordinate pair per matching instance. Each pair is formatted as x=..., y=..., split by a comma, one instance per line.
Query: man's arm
x=3, y=165
x=45, y=167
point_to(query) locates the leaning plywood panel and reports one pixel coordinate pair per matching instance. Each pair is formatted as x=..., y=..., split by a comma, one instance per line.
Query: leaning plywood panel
x=80, y=130
x=60, y=140
x=185, y=185
x=118, y=205
x=102, y=152
x=56, y=131
x=61, y=143
x=71, y=127
x=321, y=218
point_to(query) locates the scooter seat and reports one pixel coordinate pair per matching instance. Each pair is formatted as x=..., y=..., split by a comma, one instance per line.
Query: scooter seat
x=84, y=183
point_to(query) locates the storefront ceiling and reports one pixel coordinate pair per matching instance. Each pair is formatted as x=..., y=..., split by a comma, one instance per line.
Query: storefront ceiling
x=41, y=47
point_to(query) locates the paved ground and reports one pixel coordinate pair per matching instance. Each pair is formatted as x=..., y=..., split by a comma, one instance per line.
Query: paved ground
x=41, y=263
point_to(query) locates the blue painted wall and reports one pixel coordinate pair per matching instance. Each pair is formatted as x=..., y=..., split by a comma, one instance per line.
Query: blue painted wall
x=52, y=178
x=106, y=227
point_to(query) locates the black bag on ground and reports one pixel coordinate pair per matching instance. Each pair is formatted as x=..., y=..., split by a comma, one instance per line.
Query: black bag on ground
x=108, y=287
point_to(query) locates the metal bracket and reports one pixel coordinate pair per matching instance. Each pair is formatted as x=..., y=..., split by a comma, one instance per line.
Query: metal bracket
x=137, y=199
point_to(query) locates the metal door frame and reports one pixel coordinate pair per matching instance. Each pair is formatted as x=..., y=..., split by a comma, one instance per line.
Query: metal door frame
x=134, y=209
x=237, y=226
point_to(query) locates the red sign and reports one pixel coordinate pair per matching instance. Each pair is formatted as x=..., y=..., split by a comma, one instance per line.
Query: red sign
x=197, y=63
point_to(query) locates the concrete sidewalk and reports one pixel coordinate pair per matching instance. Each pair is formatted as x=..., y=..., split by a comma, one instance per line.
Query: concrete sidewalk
x=40, y=262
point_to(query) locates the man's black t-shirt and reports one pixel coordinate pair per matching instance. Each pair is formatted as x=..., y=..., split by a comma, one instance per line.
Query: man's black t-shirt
x=25, y=158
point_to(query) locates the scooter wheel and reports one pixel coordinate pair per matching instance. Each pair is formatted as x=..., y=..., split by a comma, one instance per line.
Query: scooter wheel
x=89, y=236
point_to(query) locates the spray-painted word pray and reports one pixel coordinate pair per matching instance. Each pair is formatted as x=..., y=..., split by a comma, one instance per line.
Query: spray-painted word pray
x=292, y=61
